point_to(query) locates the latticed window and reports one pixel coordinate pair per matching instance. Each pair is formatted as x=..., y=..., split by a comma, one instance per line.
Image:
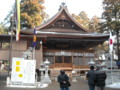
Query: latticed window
x=58, y=59
x=67, y=59
x=87, y=60
x=78, y=60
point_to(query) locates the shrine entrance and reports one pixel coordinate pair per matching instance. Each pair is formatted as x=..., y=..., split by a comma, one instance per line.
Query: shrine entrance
x=63, y=61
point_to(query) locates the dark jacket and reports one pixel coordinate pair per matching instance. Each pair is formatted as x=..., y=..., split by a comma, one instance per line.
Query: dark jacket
x=100, y=78
x=91, y=77
x=63, y=78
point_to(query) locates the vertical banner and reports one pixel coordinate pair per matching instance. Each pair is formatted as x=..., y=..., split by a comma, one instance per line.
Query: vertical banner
x=17, y=20
x=34, y=43
x=111, y=42
x=34, y=38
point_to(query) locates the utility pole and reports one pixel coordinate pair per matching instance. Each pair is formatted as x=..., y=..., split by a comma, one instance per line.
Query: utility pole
x=11, y=40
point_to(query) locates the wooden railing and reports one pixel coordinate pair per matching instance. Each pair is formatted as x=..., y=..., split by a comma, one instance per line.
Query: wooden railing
x=62, y=65
x=81, y=67
x=68, y=66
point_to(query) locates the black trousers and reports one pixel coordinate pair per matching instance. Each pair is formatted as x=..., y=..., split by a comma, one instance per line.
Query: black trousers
x=100, y=88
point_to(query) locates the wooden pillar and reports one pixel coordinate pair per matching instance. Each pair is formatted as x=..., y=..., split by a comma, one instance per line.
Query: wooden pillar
x=54, y=60
x=72, y=60
x=63, y=61
x=84, y=57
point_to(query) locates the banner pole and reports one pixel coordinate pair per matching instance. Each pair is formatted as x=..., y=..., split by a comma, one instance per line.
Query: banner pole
x=34, y=53
x=111, y=67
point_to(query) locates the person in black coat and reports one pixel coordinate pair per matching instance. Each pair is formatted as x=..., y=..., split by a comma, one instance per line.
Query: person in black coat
x=91, y=78
x=63, y=80
x=100, y=78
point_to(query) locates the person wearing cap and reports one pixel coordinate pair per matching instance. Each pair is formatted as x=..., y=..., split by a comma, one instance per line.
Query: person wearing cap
x=63, y=80
x=91, y=78
x=100, y=78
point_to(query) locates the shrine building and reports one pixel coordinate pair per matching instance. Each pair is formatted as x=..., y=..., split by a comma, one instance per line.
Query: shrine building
x=61, y=40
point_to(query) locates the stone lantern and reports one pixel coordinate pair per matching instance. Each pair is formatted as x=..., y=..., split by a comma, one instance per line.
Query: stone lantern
x=42, y=69
x=46, y=78
x=91, y=63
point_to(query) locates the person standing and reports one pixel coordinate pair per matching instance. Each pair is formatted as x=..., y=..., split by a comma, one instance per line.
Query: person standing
x=91, y=78
x=100, y=79
x=63, y=80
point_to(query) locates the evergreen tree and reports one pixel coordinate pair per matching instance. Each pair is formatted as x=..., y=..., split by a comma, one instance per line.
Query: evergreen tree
x=111, y=16
x=32, y=13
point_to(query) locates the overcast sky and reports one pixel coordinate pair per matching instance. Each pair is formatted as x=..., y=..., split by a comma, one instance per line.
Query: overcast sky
x=91, y=7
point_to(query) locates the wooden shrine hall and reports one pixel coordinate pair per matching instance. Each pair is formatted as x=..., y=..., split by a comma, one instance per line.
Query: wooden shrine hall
x=61, y=40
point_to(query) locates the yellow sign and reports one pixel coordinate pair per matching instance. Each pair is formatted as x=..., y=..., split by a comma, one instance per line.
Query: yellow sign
x=20, y=75
x=17, y=69
x=17, y=62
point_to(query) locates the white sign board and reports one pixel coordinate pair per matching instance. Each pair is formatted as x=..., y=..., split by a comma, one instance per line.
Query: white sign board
x=23, y=71
x=17, y=70
x=29, y=71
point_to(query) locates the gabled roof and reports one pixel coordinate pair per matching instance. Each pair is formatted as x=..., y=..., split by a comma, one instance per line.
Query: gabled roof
x=63, y=13
x=48, y=29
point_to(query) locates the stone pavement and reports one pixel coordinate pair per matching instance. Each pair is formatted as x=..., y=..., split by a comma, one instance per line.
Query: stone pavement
x=80, y=85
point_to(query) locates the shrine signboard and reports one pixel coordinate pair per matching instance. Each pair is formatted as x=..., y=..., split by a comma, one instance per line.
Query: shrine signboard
x=23, y=71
